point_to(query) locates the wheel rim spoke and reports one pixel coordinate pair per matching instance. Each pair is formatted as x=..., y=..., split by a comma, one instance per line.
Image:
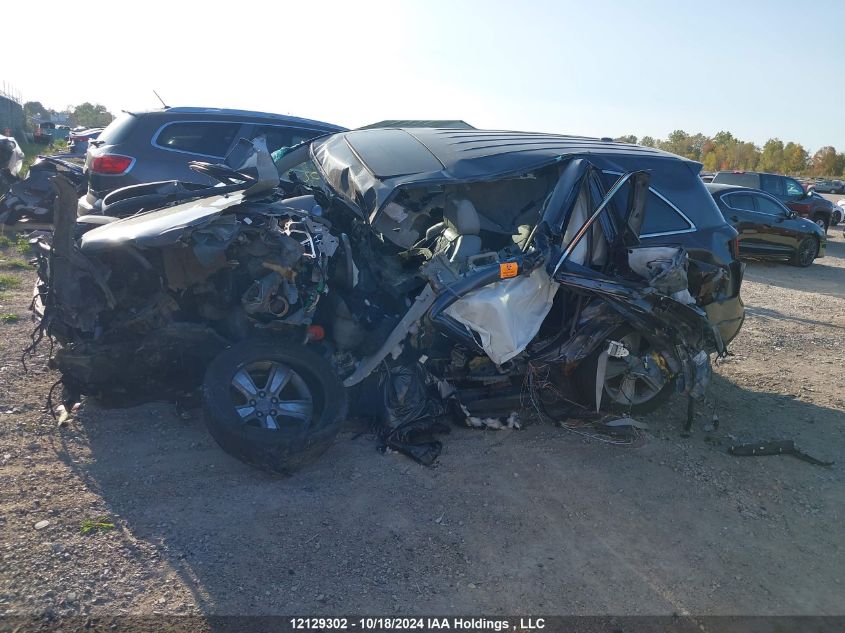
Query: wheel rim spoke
x=297, y=409
x=653, y=384
x=270, y=422
x=245, y=411
x=628, y=388
x=243, y=382
x=277, y=379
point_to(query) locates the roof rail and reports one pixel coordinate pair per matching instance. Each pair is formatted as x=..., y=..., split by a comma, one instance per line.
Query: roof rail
x=253, y=113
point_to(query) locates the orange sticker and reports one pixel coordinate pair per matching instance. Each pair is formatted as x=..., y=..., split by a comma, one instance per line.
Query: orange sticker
x=508, y=270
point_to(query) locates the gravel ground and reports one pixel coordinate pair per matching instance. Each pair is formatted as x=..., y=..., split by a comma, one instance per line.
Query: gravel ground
x=533, y=521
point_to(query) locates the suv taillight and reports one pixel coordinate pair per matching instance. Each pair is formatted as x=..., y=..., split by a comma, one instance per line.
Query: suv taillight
x=111, y=164
x=801, y=208
x=733, y=245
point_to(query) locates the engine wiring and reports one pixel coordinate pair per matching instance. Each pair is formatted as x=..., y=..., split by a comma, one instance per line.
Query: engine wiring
x=537, y=382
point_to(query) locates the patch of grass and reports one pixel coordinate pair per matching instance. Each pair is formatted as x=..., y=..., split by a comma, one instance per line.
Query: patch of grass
x=14, y=264
x=9, y=282
x=103, y=524
x=5, y=242
x=9, y=318
x=22, y=245
x=32, y=150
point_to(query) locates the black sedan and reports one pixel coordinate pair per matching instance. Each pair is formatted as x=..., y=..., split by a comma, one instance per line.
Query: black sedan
x=767, y=228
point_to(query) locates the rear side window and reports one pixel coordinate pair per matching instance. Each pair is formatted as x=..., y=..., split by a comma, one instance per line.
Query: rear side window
x=771, y=184
x=660, y=216
x=117, y=131
x=207, y=137
x=279, y=137
x=769, y=206
x=739, y=201
x=742, y=180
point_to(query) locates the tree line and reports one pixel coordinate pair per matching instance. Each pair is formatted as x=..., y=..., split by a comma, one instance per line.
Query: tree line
x=726, y=152
x=85, y=114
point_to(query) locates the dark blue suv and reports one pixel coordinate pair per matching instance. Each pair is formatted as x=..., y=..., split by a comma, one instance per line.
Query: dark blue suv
x=156, y=145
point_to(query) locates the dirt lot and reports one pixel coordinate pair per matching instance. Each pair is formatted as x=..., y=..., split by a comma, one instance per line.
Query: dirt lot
x=533, y=521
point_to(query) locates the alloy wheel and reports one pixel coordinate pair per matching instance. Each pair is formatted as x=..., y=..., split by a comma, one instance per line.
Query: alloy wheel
x=635, y=379
x=271, y=395
x=807, y=252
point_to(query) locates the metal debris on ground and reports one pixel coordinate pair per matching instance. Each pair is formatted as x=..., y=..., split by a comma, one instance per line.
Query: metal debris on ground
x=774, y=447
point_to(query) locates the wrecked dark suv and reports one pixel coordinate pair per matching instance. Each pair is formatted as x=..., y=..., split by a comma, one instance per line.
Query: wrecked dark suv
x=404, y=276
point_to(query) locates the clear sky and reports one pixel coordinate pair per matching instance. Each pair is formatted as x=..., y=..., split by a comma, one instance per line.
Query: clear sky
x=755, y=68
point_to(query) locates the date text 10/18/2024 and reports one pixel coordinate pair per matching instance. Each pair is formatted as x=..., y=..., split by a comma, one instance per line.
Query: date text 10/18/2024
x=417, y=624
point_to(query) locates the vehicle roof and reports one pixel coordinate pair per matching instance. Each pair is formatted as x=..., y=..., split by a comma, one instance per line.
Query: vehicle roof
x=439, y=123
x=239, y=113
x=719, y=188
x=753, y=173
x=368, y=165
x=464, y=152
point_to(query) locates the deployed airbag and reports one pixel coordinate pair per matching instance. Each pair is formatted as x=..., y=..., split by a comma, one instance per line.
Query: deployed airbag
x=506, y=315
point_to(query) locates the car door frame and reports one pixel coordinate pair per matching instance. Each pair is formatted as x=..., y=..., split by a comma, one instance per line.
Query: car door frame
x=745, y=221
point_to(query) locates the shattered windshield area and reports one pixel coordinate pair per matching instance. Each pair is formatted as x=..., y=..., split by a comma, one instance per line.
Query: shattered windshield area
x=295, y=165
x=305, y=172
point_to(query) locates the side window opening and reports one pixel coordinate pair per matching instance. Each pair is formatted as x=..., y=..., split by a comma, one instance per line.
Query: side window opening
x=207, y=137
x=279, y=137
x=740, y=201
x=771, y=184
x=769, y=206
x=660, y=216
x=793, y=188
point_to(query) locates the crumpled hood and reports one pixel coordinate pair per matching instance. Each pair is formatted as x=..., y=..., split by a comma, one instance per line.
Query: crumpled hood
x=158, y=228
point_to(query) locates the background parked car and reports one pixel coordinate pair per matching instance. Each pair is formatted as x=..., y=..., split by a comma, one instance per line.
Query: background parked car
x=829, y=186
x=158, y=145
x=767, y=228
x=787, y=190
x=78, y=140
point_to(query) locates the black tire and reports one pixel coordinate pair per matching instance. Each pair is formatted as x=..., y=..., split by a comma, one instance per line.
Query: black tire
x=585, y=379
x=294, y=443
x=806, y=252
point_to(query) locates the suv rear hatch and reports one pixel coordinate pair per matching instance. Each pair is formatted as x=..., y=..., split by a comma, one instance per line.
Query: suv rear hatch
x=106, y=167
